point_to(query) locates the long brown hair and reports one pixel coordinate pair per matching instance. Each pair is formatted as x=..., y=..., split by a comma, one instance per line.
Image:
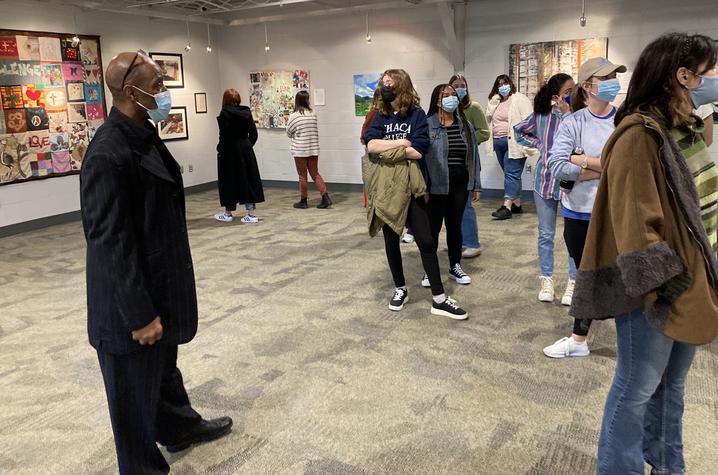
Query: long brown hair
x=231, y=98
x=466, y=101
x=301, y=102
x=654, y=86
x=406, y=96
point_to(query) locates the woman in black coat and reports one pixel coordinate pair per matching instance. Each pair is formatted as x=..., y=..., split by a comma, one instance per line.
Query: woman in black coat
x=237, y=171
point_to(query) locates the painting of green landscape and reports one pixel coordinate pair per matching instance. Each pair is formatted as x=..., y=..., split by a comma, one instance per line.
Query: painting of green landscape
x=364, y=87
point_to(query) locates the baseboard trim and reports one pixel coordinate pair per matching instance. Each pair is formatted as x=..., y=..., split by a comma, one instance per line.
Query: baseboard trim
x=74, y=216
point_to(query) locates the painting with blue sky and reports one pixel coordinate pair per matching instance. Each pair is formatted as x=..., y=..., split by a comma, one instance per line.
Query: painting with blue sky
x=364, y=87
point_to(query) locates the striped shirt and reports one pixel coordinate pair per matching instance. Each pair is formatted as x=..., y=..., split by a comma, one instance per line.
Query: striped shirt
x=538, y=132
x=705, y=175
x=303, y=130
x=457, y=146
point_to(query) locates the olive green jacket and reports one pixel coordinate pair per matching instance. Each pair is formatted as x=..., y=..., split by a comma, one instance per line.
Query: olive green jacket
x=390, y=181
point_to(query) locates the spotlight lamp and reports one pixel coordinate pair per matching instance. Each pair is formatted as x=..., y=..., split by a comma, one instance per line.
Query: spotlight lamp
x=266, y=39
x=582, y=19
x=188, y=46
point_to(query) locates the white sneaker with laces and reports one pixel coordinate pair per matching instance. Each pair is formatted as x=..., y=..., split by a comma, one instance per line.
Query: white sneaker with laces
x=247, y=219
x=425, y=281
x=546, y=293
x=568, y=293
x=224, y=217
x=566, y=346
x=459, y=275
x=408, y=238
x=471, y=252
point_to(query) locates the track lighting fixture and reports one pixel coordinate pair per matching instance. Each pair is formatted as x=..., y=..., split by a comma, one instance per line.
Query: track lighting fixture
x=188, y=46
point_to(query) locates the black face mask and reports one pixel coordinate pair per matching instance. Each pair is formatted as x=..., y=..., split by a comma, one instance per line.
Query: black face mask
x=387, y=94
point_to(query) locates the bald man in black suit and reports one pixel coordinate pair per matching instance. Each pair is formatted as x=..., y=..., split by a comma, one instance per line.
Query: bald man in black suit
x=141, y=296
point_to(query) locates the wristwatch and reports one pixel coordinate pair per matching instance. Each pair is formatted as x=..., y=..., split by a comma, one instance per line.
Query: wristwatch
x=584, y=164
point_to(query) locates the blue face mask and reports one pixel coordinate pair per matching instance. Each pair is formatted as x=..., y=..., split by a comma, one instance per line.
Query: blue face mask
x=706, y=92
x=608, y=90
x=567, y=99
x=449, y=104
x=164, y=104
x=505, y=90
x=461, y=93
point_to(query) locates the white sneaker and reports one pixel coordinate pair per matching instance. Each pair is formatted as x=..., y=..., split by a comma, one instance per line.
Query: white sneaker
x=471, y=252
x=568, y=293
x=459, y=275
x=425, y=281
x=247, y=219
x=546, y=293
x=408, y=238
x=566, y=346
x=224, y=217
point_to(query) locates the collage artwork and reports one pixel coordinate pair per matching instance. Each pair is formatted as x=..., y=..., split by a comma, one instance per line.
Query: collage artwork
x=51, y=103
x=271, y=96
x=532, y=64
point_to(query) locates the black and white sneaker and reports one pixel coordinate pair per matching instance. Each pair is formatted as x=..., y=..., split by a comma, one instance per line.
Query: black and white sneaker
x=449, y=308
x=459, y=275
x=401, y=296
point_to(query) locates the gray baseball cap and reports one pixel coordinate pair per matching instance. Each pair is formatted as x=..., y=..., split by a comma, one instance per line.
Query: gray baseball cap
x=598, y=67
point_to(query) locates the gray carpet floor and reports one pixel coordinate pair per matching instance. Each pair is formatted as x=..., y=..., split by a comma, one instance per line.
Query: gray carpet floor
x=296, y=344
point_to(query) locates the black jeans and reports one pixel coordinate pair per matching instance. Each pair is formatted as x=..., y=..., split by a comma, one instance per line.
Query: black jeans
x=148, y=404
x=449, y=209
x=420, y=224
x=574, y=233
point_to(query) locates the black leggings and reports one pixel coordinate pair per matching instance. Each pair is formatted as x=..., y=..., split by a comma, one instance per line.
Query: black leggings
x=449, y=209
x=420, y=224
x=574, y=233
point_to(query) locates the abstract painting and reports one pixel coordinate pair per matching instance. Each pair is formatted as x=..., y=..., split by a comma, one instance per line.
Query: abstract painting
x=271, y=96
x=532, y=64
x=174, y=127
x=364, y=87
x=51, y=101
x=172, y=69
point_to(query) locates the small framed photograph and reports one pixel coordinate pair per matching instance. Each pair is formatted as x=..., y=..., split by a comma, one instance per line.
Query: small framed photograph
x=174, y=127
x=200, y=102
x=172, y=69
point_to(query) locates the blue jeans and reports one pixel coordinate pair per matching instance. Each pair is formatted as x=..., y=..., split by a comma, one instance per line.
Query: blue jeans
x=547, y=211
x=513, y=168
x=469, y=230
x=644, y=410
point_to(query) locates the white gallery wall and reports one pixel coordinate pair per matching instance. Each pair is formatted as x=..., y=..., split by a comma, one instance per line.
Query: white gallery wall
x=21, y=202
x=332, y=49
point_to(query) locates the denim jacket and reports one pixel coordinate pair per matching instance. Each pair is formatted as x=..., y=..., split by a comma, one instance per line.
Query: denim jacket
x=437, y=159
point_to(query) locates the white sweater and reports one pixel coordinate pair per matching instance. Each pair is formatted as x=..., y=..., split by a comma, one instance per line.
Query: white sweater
x=303, y=130
x=519, y=109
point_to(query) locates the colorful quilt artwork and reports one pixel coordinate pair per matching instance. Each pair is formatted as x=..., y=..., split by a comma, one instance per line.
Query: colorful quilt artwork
x=271, y=96
x=52, y=101
x=531, y=65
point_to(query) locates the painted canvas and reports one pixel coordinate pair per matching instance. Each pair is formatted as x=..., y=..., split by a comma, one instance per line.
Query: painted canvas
x=51, y=101
x=532, y=64
x=271, y=96
x=364, y=87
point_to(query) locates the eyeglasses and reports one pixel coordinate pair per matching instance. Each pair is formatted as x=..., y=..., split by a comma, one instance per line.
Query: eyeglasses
x=127, y=73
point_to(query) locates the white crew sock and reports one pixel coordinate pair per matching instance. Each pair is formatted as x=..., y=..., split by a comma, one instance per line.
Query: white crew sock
x=441, y=298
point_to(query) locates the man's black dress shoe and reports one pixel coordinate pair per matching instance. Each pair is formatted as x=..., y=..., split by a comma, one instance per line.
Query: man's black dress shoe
x=204, y=431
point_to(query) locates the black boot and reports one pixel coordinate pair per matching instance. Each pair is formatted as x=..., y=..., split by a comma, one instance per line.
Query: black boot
x=326, y=202
x=301, y=204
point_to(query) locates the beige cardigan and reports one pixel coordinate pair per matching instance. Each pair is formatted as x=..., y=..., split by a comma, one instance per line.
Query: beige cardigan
x=519, y=109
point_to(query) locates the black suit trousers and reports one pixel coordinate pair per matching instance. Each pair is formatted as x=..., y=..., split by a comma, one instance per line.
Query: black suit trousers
x=148, y=404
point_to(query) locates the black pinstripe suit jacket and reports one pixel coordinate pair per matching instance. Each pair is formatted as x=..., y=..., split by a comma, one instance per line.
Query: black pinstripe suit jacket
x=138, y=258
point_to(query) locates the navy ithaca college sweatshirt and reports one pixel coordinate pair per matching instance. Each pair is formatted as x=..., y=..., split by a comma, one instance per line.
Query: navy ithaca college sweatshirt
x=413, y=128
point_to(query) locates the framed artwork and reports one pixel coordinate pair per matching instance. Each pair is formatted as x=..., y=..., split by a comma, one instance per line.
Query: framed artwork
x=532, y=64
x=271, y=96
x=172, y=69
x=174, y=127
x=200, y=102
x=364, y=87
x=50, y=103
